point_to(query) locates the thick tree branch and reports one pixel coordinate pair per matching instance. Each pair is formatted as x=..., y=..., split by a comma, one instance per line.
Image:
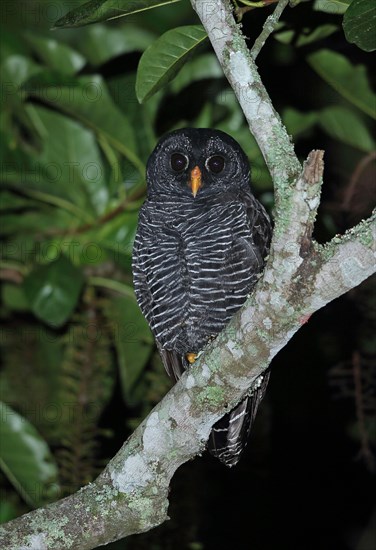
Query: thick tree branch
x=130, y=496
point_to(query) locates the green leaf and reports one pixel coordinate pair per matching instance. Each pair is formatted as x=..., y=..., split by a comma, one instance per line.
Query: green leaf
x=297, y=122
x=163, y=59
x=13, y=297
x=347, y=126
x=199, y=68
x=11, y=43
x=55, y=55
x=8, y=511
x=67, y=173
x=53, y=290
x=359, y=24
x=104, y=10
x=337, y=7
x=308, y=36
x=99, y=43
x=26, y=459
x=70, y=164
x=15, y=70
x=348, y=80
x=141, y=116
x=22, y=230
x=92, y=104
x=133, y=341
x=120, y=232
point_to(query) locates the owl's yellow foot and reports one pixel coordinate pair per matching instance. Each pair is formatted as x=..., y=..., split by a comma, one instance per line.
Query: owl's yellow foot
x=191, y=357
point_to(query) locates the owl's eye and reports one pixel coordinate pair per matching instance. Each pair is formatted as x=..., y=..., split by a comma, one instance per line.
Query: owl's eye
x=215, y=164
x=179, y=162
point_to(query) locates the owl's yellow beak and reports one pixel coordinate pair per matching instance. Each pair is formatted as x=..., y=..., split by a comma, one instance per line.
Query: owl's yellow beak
x=195, y=181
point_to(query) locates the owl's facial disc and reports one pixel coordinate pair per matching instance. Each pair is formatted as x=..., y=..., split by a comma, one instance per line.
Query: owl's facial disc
x=195, y=180
x=195, y=164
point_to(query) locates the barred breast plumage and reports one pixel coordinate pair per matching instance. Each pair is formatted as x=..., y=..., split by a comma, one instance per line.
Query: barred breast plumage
x=201, y=242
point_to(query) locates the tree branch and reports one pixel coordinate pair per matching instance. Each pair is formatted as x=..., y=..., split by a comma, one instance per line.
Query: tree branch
x=241, y=71
x=130, y=496
x=268, y=27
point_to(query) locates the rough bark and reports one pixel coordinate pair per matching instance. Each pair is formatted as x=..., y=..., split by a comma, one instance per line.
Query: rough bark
x=301, y=276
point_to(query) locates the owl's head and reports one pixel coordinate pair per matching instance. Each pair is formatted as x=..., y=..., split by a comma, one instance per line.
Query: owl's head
x=197, y=163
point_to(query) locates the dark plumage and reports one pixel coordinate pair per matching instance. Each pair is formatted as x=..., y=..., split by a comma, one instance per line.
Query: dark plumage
x=201, y=242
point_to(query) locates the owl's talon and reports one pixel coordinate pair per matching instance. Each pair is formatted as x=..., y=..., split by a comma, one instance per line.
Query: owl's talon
x=191, y=357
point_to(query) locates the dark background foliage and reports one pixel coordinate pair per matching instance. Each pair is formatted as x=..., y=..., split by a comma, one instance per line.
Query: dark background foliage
x=79, y=367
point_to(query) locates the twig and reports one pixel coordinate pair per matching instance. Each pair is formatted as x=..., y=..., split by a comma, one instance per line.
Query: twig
x=360, y=167
x=11, y=275
x=132, y=200
x=240, y=11
x=268, y=27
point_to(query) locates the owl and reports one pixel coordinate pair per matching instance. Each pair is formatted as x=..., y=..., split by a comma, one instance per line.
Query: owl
x=200, y=246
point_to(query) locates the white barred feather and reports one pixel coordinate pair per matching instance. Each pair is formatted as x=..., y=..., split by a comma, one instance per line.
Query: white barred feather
x=194, y=263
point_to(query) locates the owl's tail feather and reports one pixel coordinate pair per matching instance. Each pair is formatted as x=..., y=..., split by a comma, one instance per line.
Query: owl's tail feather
x=174, y=363
x=229, y=435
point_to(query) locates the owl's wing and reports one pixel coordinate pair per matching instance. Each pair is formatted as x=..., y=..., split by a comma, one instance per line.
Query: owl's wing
x=161, y=288
x=260, y=224
x=140, y=269
x=229, y=436
x=244, y=262
x=251, y=233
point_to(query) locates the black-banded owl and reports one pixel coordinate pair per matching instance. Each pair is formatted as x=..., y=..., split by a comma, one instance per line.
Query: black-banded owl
x=201, y=242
